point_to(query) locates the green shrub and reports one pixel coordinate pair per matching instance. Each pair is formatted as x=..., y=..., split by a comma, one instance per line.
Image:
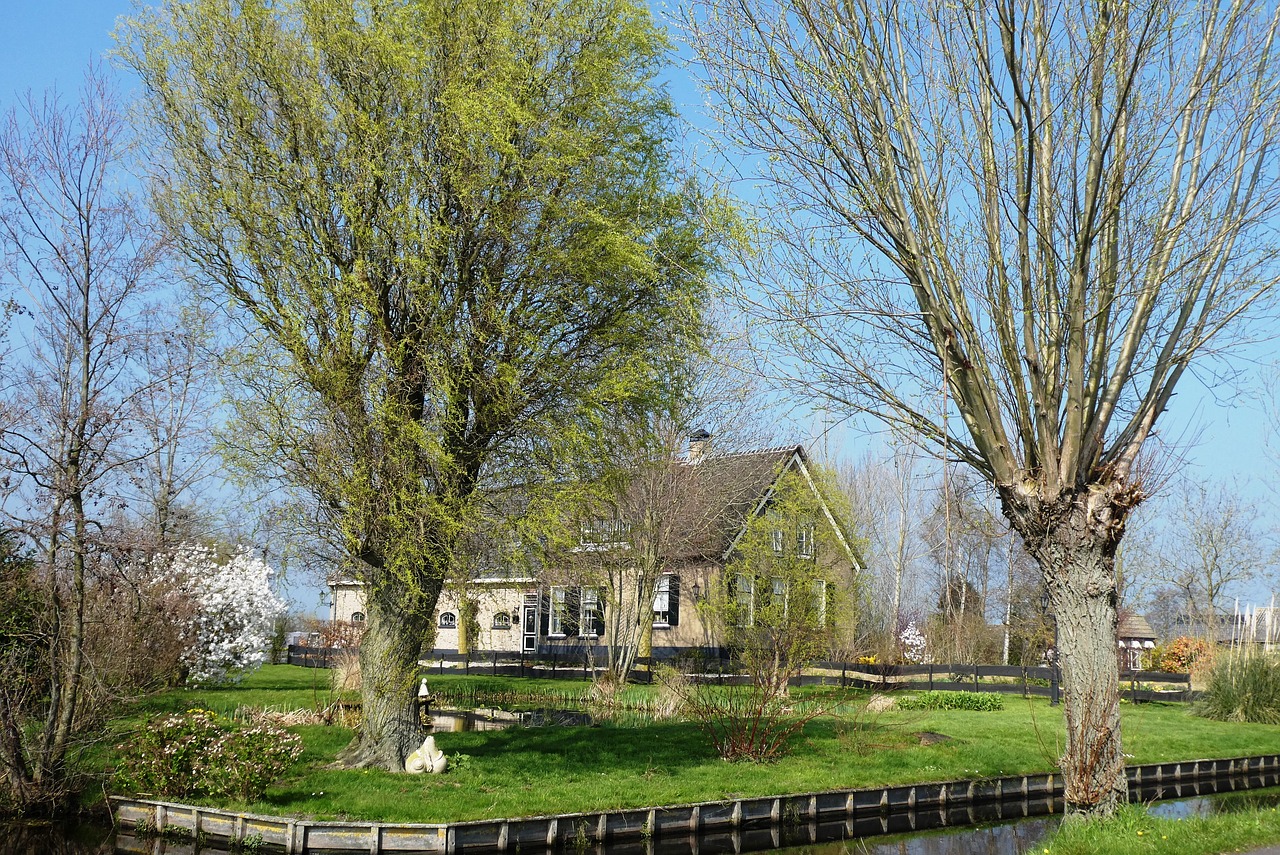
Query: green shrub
x=194, y=753
x=975, y=701
x=1242, y=687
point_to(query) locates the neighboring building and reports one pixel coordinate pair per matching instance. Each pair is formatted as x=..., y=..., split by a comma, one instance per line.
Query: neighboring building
x=1247, y=625
x=1134, y=636
x=518, y=613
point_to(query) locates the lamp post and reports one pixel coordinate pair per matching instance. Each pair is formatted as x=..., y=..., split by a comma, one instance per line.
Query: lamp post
x=1053, y=657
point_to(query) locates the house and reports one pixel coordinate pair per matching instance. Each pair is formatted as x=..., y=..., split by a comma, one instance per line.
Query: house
x=685, y=521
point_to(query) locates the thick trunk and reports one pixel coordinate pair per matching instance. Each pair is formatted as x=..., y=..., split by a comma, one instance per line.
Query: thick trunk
x=389, y=670
x=1073, y=538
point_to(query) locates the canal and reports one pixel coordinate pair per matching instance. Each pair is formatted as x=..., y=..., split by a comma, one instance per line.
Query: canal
x=1002, y=830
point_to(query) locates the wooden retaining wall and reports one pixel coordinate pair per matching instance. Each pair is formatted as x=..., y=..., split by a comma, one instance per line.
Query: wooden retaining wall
x=854, y=809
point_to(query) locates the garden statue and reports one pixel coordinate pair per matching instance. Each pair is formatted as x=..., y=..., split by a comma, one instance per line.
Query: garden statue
x=427, y=758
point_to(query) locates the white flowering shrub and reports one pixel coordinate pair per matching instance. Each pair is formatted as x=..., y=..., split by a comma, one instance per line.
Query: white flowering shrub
x=913, y=645
x=232, y=614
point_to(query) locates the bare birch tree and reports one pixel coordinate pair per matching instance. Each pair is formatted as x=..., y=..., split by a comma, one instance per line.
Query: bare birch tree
x=1041, y=212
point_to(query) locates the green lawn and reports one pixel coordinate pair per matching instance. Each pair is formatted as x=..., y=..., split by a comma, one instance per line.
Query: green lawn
x=1135, y=832
x=530, y=771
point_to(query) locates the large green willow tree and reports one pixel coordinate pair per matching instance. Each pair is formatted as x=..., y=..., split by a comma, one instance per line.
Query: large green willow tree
x=456, y=234
x=1035, y=214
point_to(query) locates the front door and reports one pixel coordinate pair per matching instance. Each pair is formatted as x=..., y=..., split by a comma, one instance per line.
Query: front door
x=529, y=624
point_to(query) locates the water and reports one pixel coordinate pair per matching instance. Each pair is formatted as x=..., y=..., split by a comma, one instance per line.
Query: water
x=453, y=721
x=21, y=838
x=1001, y=829
x=1216, y=804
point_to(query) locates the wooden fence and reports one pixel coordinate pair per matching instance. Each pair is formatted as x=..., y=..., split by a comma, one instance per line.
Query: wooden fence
x=585, y=663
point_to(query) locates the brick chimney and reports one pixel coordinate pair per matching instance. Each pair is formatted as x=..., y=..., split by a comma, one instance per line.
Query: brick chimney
x=699, y=445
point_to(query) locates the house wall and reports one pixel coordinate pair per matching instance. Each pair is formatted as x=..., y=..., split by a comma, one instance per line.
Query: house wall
x=692, y=632
x=491, y=601
x=348, y=600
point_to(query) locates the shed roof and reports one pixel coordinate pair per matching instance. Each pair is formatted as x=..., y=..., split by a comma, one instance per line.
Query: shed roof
x=1135, y=626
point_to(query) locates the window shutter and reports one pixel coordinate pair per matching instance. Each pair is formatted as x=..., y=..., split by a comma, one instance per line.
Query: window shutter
x=673, y=600
x=544, y=613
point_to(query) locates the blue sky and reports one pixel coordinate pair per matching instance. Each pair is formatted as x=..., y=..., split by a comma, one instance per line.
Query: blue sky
x=46, y=43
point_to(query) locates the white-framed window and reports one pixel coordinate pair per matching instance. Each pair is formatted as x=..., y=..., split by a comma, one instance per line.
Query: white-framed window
x=502, y=620
x=779, y=541
x=744, y=594
x=804, y=540
x=558, y=620
x=589, y=618
x=666, y=601
x=819, y=588
x=448, y=620
x=778, y=593
x=357, y=617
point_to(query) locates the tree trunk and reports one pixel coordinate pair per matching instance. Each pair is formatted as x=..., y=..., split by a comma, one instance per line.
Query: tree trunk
x=1074, y=538
x=389, y=729
x=466, y=617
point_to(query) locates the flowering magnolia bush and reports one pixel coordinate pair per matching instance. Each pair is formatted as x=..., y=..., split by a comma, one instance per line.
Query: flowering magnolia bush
x=913, y=645
x=231, y=624
x=194, y=753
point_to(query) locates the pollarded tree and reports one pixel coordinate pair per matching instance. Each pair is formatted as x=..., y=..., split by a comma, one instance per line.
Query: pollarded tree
x=455, y=235
x=1035, y=214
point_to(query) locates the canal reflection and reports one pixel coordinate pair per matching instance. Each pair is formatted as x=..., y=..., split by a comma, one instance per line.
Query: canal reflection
x=1011, y=828
x=43, y=838
x=456, y=721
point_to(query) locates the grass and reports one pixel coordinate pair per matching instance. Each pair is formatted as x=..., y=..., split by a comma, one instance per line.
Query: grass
x=1135, y=832
x=531, y=771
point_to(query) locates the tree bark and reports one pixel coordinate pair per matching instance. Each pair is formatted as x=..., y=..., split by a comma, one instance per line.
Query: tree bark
x=1073, y=537
x=390, y=729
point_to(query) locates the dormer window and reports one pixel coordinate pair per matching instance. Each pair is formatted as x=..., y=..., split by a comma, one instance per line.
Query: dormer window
x=605, y=530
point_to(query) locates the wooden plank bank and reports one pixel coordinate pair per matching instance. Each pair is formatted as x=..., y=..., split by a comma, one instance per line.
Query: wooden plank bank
x=756, y=822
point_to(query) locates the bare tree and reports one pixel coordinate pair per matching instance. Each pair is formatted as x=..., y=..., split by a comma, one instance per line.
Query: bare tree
x=1036, y=212
x=891, y=500
x=174, y=412
x=1211, y=544
x=80, y=258
x=657, y=513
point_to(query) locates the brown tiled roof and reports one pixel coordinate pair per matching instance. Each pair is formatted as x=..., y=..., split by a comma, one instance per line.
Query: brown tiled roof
x=730, y=487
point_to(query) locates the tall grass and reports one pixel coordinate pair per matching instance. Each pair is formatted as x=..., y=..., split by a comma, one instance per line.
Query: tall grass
x=1243, y=686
